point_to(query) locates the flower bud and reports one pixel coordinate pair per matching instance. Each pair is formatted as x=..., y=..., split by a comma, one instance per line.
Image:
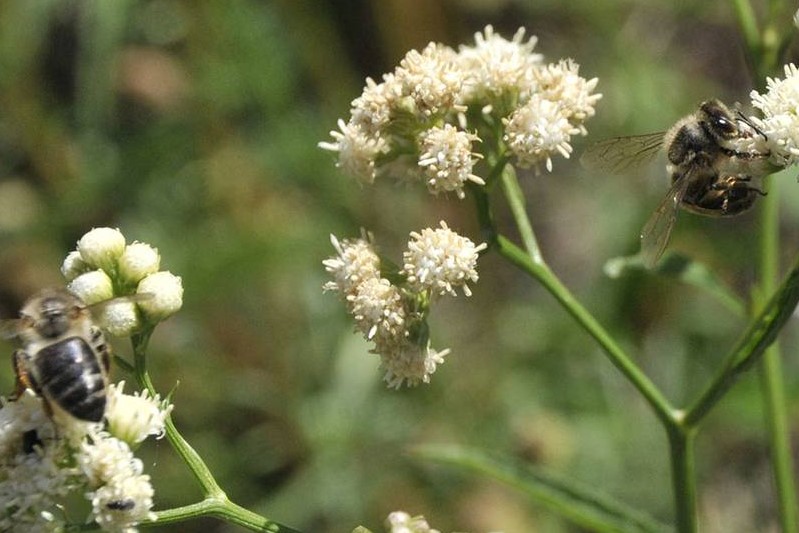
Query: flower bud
x=120, y=317
x=73, y=265
x=137, y=261
x=101, y=247
x=166, y=290
x=92, y=287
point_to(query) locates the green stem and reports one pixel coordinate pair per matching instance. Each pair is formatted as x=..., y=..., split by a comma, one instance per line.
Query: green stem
x=189, y=455
x=215, y=502
x=515, y=196
x=771, y=371
x=681, y=446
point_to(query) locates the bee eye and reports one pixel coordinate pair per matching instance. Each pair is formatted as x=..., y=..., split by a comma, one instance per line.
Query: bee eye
x=725, y=126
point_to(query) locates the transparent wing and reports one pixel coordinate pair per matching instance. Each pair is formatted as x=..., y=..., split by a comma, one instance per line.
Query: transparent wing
x=657, y=230
x=9, y=328
x=133, y=298
x=620, y=154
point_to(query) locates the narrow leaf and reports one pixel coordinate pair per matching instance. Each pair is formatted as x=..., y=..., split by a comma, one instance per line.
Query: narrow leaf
x=579, y=503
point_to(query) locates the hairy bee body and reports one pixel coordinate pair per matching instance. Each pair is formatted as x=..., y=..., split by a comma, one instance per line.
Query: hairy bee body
x=63, y=356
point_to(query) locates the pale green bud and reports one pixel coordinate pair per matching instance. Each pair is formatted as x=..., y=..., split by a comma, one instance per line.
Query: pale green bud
x=92, y=287
x=137, y=261
x=120, y=317
x=73, y=266
x=102, y=247
x=166, y=295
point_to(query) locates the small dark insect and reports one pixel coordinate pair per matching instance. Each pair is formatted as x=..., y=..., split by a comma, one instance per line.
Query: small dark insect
x=121, y=505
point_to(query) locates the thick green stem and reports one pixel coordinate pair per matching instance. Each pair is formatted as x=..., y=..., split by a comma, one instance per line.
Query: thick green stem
x=771, y=371
x=681, y=446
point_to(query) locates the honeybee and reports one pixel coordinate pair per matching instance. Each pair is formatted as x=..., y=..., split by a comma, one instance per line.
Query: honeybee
x=63, y=355
x=711, y=174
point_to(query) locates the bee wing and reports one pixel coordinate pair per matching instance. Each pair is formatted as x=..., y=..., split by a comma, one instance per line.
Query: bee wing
x=98, y=307
x=657, y=230
x=620, y=154
x=9, y=328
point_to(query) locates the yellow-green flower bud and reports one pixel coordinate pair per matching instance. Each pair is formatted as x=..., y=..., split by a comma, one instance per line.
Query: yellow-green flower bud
x=166, y=295
x=92, y=287
x=137, y=261
x=102, y=247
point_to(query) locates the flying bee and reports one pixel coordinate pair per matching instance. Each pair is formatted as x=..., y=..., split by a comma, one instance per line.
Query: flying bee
x=63, y=355
x=712, y=164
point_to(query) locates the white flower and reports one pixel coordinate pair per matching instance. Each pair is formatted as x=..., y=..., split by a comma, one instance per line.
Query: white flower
x=132, y=418
x=357, y=150
x=402, y=522
x=138, y=260
x=407, y=361
x=101, y=247
x=496, y=66
x=447, y=159
x=166, y=295
x=74, y=265
x=560, y=82
x=104, y=458
x=122, y=503
x=440, y=260
x=377, y=308
x=537, y=130
x=356, y=261
x=780, y=122
x=92, y=287
x=371, y=111
x=432, y=78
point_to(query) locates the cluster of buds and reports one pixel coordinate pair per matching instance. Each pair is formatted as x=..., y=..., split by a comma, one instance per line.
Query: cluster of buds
x=45, y=454
x=422, y=121
x=391, y=308
x=104, y=267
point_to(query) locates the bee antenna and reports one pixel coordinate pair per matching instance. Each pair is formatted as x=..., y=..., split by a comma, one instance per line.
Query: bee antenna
x=746, y=120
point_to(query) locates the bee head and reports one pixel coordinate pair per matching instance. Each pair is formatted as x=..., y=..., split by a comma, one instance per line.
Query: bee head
x=51, y=312
x=718, y=121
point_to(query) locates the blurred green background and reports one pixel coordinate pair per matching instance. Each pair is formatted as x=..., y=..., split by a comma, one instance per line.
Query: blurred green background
x=193, y=126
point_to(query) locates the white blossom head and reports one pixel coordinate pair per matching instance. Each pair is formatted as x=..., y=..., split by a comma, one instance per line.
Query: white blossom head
x=432, y=79
x=355, y=262
x=497, y=67
x=402, y=522
x=407, y=360
x=357, y=149
x=121, y=495
x=101, y=247
x=780, y=121
x=120, y=317
x=537, y=130
x=447, y=159
x=133, y=417
x=561, y=82
x=440, y=260
x=377, y=307
x=165, y=292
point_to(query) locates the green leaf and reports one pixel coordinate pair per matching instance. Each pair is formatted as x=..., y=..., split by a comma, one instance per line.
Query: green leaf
x=579, y=503
x=681, y=268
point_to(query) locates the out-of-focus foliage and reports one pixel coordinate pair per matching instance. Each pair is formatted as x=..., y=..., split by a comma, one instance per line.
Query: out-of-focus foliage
x=193, y=126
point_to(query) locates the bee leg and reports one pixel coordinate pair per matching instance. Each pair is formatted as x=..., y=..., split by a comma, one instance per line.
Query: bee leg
x=24, y=380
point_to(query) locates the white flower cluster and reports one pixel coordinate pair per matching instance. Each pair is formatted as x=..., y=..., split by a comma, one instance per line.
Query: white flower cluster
x=415, y=123
x=393, y=315
x=780, y=122
x=104, y=267
x=40, y=465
